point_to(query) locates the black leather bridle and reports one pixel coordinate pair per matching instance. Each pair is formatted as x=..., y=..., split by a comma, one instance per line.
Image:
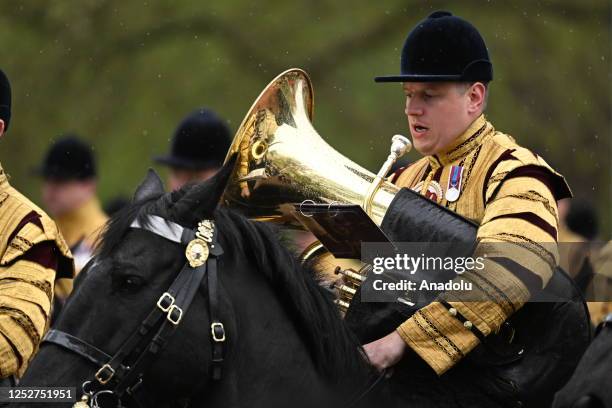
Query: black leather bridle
x=122, y=373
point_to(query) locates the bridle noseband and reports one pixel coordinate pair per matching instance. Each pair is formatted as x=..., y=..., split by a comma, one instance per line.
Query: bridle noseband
x=125, y=369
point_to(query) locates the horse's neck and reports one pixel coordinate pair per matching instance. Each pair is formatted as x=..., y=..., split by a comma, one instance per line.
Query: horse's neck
x=268, y=358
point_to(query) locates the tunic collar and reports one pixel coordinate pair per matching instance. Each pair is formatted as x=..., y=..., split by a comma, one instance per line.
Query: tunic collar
x=464, y=144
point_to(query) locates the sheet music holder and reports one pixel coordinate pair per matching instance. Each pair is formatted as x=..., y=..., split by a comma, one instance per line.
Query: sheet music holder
x=341, y=228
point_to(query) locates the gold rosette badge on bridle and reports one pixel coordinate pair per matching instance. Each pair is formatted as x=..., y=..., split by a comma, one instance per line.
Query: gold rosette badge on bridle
x=197, y=250
x=82, y=403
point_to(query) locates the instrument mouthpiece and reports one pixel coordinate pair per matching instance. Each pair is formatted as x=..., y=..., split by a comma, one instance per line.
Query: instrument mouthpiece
x=400, y=145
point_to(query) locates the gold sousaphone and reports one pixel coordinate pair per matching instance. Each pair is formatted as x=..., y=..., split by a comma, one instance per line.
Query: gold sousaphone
x=282, y=162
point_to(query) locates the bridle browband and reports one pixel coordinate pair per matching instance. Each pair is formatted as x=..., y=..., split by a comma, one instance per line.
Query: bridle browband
x=125, y=369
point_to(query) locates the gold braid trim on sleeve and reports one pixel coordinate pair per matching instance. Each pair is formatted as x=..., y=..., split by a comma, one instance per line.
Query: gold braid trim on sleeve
x=25, y=303
x=28, y=315
x=30, y=235
x=19, y=340
x=439, y=340
x=520, y=223
x=28, y=281
x=30, y=272
x=23, y=320
x=36, y=292
x=500, y=295
x=507, y=205
x=547, y=253
x=14, y=207
x=12, y=212
x=523, y=158
x=9, y=358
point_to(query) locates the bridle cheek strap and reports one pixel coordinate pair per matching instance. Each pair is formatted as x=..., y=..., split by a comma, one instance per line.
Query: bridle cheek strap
x=217, y=329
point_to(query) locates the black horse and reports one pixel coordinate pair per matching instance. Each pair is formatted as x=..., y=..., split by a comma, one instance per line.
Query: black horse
x=285, y=343
x=591, y=386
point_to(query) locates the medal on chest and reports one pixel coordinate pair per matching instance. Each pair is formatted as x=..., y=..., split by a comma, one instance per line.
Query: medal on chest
x=453, y=190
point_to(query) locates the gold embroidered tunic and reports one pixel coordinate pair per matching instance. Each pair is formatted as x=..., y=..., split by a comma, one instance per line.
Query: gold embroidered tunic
x=511, y=193
x=32, y=252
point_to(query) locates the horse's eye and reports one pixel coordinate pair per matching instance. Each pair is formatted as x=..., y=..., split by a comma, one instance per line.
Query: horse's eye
x=129, y=283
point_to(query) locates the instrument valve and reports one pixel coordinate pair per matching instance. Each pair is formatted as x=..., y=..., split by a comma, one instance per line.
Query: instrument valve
x=351, y=275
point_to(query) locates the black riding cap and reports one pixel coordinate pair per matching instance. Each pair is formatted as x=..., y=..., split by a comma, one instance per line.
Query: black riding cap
x=443, y=47
x=200, y=142
x=5, y=99
x=68, y=159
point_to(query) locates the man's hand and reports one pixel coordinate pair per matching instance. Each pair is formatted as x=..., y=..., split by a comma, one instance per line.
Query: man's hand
x=386, y=352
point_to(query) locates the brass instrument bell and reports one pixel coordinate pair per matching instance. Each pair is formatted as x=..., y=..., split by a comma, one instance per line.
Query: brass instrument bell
x=283, y=161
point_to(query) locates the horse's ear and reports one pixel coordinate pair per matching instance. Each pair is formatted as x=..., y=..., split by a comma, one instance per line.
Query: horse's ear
x=151, y=187
x=203, y=198
x=219, y=181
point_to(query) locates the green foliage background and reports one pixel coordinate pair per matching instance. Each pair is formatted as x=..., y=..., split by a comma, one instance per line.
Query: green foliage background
x=123, y=73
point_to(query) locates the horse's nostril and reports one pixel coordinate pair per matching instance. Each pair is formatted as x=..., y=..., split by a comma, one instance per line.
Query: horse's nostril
x=588, y=401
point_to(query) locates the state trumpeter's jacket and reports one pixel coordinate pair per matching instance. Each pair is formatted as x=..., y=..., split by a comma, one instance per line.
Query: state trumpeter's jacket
x=32, y=254
x=511, y=193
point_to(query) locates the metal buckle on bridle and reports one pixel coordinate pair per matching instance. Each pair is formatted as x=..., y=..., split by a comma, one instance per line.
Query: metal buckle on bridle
x=174, y=320
x=163, y=298
x=220, y=337
x=106, y=368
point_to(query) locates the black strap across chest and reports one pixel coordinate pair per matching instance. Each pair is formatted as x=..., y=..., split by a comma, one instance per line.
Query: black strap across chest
x=125, y=369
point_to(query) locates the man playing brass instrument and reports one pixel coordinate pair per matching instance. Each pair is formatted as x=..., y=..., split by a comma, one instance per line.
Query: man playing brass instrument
x=32, y=255
x=481, y=174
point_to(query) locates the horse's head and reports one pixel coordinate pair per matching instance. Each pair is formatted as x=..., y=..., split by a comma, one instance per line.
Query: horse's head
x=283, y=334
x=123, y=286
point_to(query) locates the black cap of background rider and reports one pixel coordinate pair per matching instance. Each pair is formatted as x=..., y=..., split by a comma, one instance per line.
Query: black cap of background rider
x=69, y=158
x=200, y=142
x=5, y=99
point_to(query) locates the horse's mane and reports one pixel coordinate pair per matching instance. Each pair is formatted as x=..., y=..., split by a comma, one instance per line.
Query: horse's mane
x=335, y=350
